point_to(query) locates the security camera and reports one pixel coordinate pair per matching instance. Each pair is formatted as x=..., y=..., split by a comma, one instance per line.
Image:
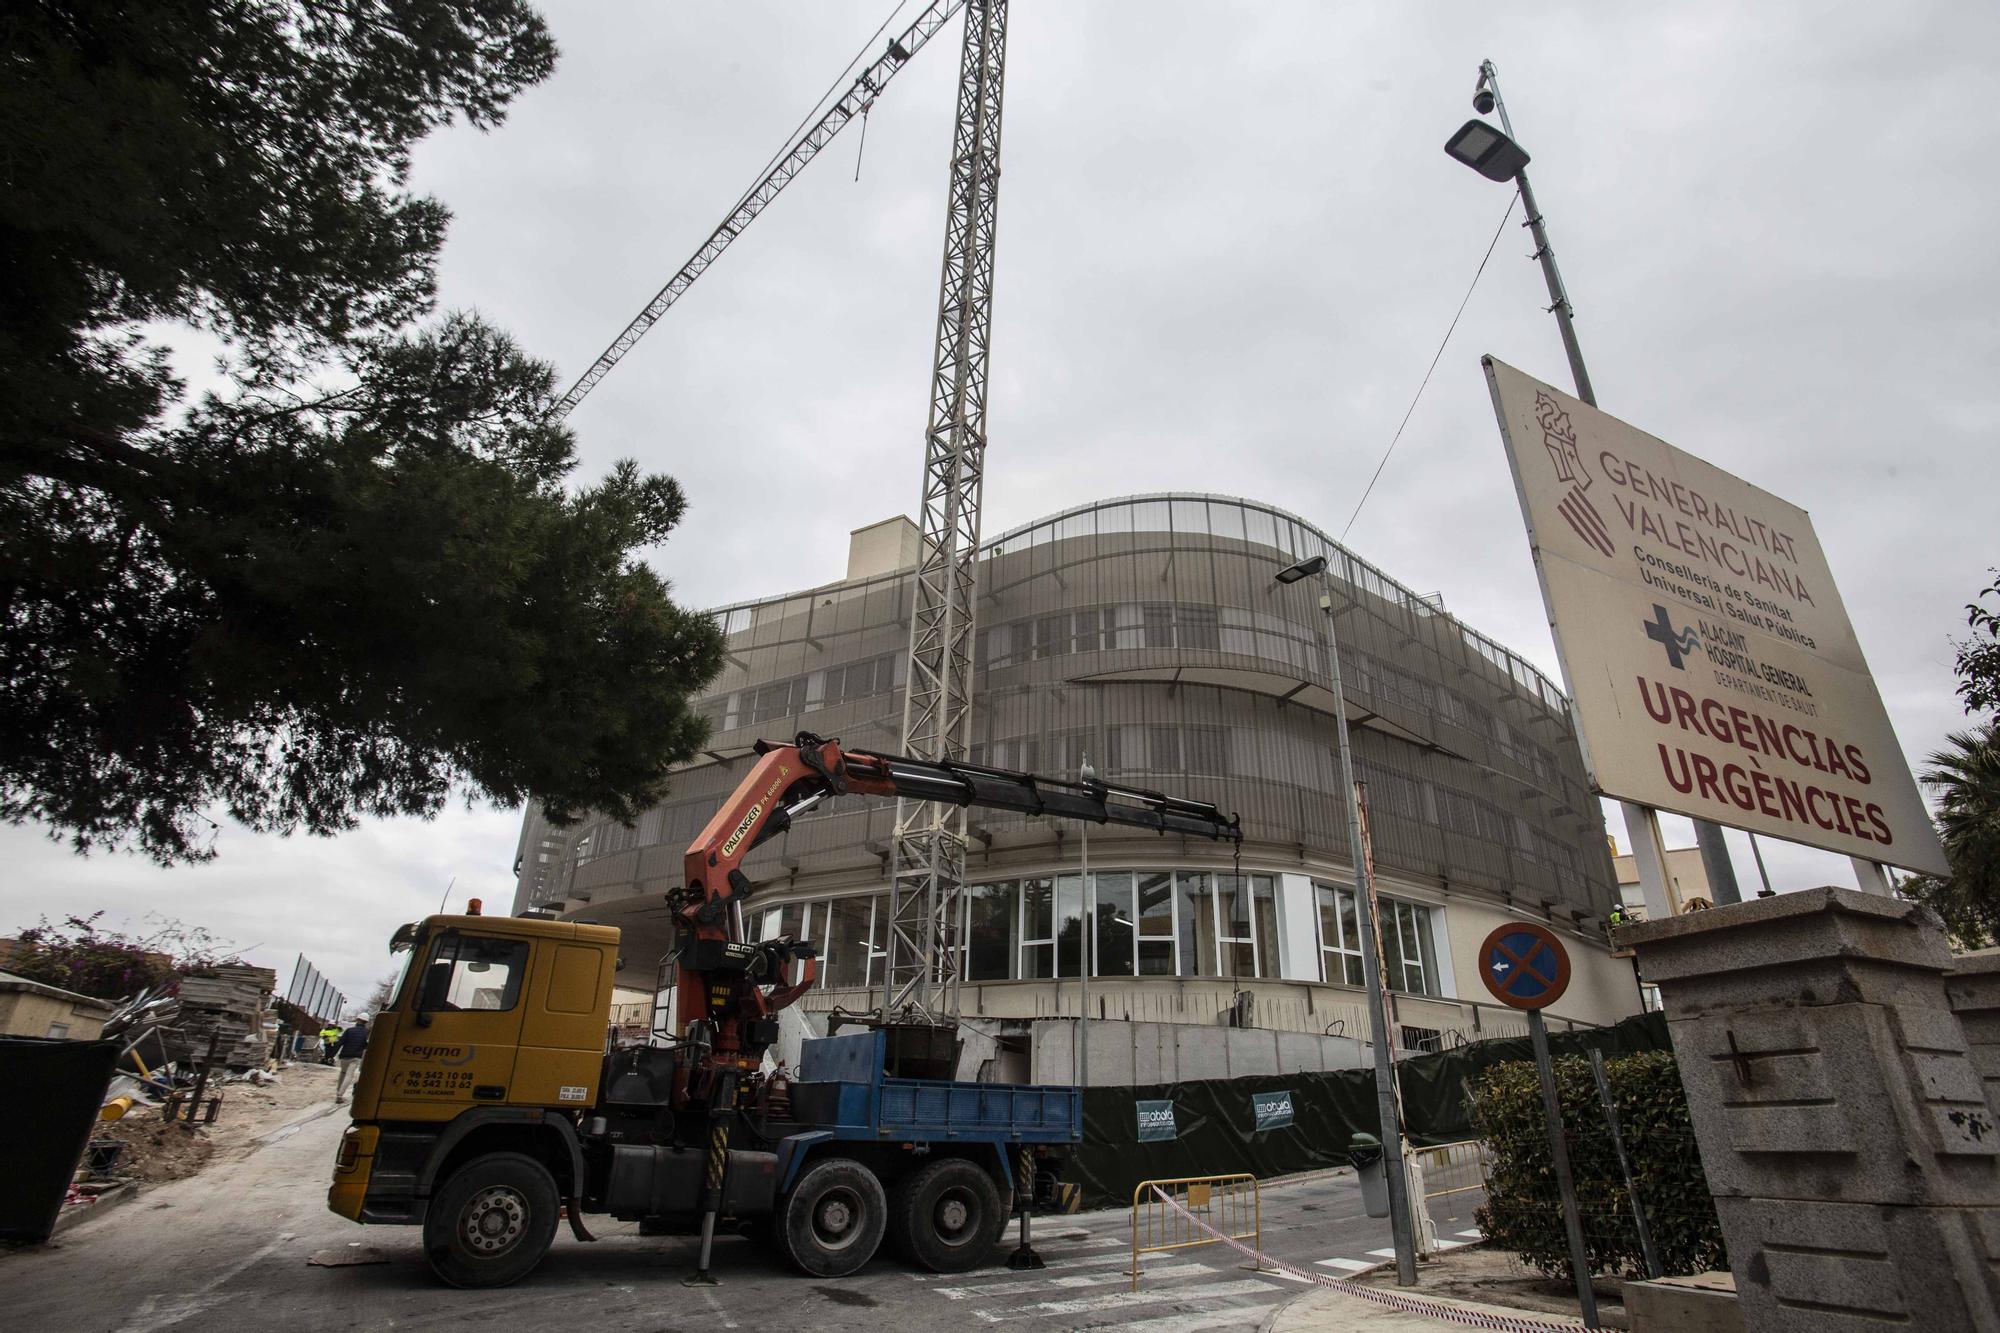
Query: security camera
x=1482, y=100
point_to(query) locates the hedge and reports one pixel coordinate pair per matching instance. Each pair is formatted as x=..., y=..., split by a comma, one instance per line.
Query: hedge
x=1523, y=1210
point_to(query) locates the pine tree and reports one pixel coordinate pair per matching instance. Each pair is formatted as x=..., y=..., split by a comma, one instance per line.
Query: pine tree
x=361, y=578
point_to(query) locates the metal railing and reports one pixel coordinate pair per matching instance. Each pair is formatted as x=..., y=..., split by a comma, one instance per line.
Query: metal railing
x=1166, y=1213
x=1452, y=1168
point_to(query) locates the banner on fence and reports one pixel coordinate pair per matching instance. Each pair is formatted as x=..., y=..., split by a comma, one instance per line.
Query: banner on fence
x=1156, y=1121
x=1271, y=1110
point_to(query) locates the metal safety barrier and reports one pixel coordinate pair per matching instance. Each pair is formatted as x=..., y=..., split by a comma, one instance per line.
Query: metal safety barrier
x=1195, y=1210
x=1451, y=1168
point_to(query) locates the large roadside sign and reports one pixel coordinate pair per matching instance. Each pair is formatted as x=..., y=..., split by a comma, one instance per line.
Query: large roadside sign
x=1713, y=666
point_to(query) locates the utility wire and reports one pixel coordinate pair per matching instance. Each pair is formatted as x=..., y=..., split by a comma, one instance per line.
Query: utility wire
x=1433, y=367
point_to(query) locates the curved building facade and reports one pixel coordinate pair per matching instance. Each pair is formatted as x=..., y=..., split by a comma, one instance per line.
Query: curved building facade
x=1150, y=634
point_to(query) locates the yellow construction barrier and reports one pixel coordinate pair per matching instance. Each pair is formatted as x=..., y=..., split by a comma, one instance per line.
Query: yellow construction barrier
x=1229, y=1206
x=1451, y=1168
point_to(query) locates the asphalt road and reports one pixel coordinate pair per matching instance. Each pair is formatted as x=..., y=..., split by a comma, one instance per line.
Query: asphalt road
x=231, y=1249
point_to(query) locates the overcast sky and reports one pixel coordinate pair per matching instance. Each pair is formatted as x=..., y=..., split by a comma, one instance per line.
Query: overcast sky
x=1229, y=243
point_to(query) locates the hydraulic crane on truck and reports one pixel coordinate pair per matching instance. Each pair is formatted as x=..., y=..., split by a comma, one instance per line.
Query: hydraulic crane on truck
x=487, y=1104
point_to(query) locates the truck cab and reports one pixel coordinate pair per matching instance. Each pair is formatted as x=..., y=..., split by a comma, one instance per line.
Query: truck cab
x=488, y=1106
x=492, y=1044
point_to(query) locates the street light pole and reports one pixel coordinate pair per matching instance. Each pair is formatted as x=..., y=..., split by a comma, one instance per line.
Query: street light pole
x=1371, y=958
x=1088, y=901
x=1642, y=823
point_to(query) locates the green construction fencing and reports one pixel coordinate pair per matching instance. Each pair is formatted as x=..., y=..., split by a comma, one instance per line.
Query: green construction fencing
x=1281, y=1124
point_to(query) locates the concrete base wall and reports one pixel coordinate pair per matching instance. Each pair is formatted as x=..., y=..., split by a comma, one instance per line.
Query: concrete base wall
x=1136, y=1054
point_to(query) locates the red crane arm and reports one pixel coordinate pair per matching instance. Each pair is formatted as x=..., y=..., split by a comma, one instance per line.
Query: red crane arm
x=723, y=979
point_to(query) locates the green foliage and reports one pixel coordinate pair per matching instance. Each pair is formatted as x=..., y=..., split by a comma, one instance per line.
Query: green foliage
x=80, y=955
x=1979, y=656
x=363, y=578
x=1966, y=780
x=1523, y=1212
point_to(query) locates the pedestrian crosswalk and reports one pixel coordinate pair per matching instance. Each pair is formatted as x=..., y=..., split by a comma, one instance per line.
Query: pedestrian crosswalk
x=1087, y=1284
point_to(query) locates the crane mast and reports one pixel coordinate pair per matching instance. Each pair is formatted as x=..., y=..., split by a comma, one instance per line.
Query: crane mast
x=921, y=963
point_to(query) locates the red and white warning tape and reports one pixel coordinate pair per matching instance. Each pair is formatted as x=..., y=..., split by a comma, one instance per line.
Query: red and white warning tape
x=1395, y=1300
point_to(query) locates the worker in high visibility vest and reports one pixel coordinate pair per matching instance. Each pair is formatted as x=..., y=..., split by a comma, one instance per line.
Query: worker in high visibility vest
x=328, y=1035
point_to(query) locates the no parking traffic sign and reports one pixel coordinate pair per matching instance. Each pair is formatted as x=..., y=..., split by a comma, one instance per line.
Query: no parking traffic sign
x=1524, y=965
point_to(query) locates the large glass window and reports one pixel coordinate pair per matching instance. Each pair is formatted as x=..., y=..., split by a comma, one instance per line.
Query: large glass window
x=1071, y=946
x=1339, y=935
x=847, y=942
x=1038, y=937
x=992, y=918
x=1156, y=925
x=1239, y=930
x=1195, y=905
x=794, y=919
x=1407, y=957
x=1264, y=901
x=1114, y=921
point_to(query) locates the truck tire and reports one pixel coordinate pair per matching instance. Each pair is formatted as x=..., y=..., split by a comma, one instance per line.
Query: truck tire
x=947, y=1216
x=492, y=1221
x=831, y=1221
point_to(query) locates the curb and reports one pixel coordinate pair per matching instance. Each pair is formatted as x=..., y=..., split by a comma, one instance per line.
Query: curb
x=112, y=1199
x=1271, y=1319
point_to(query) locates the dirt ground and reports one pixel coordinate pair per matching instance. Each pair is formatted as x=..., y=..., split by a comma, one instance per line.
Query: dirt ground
x=1495, y=1277
x=156, y=1151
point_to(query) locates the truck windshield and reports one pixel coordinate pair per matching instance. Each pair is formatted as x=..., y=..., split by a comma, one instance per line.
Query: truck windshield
x=473, y=972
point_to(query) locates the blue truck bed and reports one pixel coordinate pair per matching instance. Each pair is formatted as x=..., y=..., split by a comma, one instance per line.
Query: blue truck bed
x=843, y=1090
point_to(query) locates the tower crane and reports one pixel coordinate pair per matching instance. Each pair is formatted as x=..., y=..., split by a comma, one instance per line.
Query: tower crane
x=921, y=965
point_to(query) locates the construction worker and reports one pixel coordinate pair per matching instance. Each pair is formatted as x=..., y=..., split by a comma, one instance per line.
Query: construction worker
x=352, y=1044
x=328, y=1035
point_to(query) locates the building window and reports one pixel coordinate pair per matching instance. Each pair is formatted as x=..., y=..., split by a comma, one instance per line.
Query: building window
x=1339, y=935
x=1155, y=925
x=1112, y=914
x=1408, y=962
x=1038, y=934
x=58, y=1030
x=1194, y=906
x=992, y=922
x=849, y=940
x=1071, y=946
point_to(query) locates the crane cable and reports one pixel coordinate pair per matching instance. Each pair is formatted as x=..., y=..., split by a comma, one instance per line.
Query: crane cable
x=1433, y=366
x=840, y=81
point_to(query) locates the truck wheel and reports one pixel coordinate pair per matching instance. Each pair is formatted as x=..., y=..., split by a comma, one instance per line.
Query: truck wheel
x=492, y=1221
x=947, y=1216
x=831, y=1221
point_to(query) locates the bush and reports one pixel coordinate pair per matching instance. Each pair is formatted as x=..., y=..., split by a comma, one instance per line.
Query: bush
x=81, y=955
x=1523, y=1209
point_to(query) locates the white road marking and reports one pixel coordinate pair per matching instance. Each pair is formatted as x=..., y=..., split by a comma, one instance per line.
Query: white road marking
x=1450, y=1244
x=1091, y=1304
x=1104, y=1242
x=1474, y=1234
x=1381, y=1254
x=1056, y=1265
x=1074, y=1281
x=1190, y=1323
x=1344, y=1265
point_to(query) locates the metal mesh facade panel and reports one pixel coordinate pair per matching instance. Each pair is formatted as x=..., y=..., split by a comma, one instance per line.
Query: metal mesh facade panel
x=1150, y=633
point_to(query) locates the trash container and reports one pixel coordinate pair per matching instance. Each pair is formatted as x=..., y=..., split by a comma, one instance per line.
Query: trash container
x=54, y=1089
x=1365, y=1151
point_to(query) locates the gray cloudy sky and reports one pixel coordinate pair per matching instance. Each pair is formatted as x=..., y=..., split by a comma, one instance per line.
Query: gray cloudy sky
x=1229, y=244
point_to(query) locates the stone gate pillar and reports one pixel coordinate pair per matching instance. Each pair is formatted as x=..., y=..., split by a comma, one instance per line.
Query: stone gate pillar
x=1846, y=1137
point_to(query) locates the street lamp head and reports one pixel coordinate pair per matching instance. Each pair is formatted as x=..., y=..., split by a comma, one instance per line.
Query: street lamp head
x=1304, y=569
x=1487, y=151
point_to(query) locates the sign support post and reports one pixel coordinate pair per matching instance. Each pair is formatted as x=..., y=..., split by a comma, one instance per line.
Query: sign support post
x=1525, y=966
x=1579, y=1258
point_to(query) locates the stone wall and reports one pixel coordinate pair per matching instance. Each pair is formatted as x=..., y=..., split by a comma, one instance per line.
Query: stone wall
x=1842, y=1122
